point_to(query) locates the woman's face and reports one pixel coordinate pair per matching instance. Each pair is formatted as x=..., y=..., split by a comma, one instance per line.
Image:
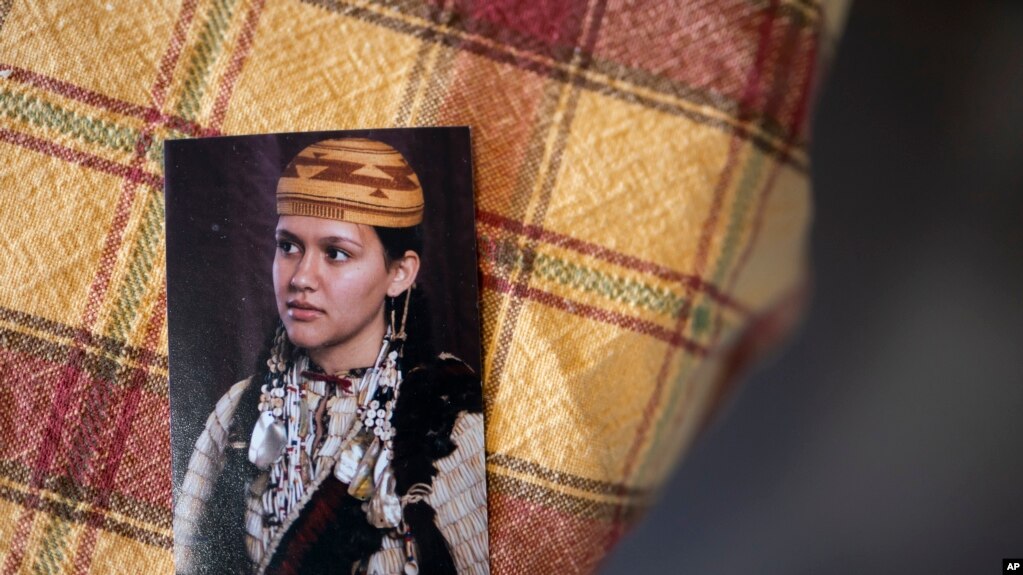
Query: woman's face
x=330, y=281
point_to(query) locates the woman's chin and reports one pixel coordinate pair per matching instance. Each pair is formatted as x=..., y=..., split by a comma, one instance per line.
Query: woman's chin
x=304, y=338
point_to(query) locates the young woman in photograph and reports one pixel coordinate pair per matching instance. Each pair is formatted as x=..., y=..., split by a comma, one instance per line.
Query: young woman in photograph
x=353, y=449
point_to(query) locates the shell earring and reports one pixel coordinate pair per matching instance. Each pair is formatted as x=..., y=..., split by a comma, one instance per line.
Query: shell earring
x=398, y=330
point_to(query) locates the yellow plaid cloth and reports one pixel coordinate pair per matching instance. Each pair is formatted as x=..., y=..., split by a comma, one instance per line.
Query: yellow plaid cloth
x=641, y=180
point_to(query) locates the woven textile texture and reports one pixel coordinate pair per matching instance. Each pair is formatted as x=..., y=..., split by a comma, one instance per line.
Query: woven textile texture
x=643, y=208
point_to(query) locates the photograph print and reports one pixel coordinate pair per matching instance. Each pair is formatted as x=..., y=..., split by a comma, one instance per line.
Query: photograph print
x=326, y=402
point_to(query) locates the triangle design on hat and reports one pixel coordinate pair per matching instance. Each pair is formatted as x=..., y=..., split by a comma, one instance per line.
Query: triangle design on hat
x=371, y=171
x=307, y=172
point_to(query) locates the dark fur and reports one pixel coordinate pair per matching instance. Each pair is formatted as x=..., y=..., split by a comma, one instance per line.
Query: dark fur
x=430, y=401
x=331, y=531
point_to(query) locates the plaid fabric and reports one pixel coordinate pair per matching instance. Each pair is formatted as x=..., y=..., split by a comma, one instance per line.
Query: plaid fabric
x=643, y=210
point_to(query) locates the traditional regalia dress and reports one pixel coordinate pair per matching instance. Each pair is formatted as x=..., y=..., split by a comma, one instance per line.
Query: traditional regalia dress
x=379, y=474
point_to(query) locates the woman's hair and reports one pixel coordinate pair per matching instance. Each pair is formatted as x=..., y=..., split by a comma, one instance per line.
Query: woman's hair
x=396, y=242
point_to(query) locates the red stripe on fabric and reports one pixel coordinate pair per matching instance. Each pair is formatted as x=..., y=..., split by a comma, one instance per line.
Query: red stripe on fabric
x=58, y=409
x=701, y=255
x=71, y=376
x=234, y=69
x=590, y=312
x=749, y=95
x=172, y=53
x=561, y=120
x=617, y=258
x=25, y=404
x=550, y=29
x=802, y=113
x=97, y=291
x=74, y=92
x=114, y=237
x=83, y=555
x=29, y=410
x=97, y=100
x=48, y=447
x=525, y=23
x=133, y=175
x=124, y=202
x=144, y=476
x=108, y=471
x=158, y=94
x=105, y=344
x=715, y=37
x=662, y=374
x=648, y=79
x=571, y=544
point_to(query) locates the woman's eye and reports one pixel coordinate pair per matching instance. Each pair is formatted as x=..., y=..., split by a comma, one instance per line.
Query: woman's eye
x=337, y=255
x=287, y=247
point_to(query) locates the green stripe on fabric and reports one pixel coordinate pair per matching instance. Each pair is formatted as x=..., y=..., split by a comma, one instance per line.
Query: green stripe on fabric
x=140, y=268
x=26, y=108
x=738, y=227
x=701, y=318
x=155, y=151
x=43, y=114
x=53, y=545
x=210, y=43
x=506, y=254
x=749, y=181
x=738, y=224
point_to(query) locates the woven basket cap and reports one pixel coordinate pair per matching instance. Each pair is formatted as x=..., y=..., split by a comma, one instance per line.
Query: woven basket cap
x=351, y=180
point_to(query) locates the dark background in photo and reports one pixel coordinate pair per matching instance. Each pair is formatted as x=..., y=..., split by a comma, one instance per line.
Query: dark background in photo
x=221, y=216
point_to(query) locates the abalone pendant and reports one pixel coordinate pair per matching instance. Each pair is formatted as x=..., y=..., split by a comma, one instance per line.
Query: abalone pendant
x=268, y=441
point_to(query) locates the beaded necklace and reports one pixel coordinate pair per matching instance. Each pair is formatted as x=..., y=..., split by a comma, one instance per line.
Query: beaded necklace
x=312, y=424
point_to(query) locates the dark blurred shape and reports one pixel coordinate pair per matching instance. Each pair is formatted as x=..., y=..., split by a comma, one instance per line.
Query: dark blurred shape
x=889, y=436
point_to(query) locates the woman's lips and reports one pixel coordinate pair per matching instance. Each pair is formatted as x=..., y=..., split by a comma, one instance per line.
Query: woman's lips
x=303, y=311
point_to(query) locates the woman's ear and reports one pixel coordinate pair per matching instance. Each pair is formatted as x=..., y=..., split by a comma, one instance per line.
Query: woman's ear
x=404, y=272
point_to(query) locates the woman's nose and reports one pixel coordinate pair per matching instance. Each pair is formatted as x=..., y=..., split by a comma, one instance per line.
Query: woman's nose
x=305, y=276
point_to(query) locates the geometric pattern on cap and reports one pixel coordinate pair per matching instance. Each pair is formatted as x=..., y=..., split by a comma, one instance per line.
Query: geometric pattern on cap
x=352, y=179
